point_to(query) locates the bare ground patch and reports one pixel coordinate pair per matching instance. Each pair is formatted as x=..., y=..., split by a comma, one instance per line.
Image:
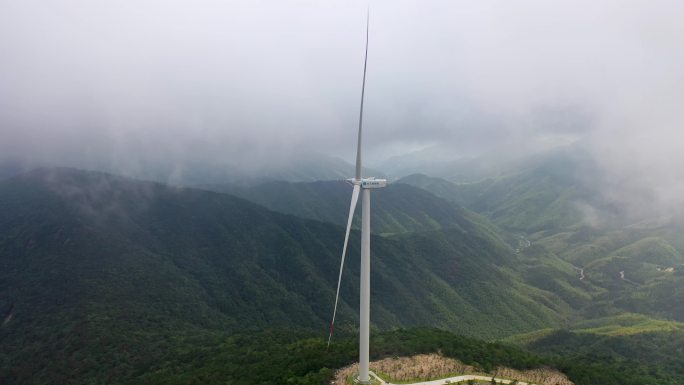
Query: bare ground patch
x=424, y=367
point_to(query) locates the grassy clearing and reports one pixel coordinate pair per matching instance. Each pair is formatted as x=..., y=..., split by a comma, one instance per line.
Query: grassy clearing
x=627, y=324
x=428, y=367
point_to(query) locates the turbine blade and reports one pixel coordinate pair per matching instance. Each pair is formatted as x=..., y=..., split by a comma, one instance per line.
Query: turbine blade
x=352, y=207
x=363, y=91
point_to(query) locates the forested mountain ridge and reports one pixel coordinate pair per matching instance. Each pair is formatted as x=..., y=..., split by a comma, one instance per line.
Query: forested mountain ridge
x=626, y=262
x=397, y=209
x=198, y=169
x=543, y=194
x=95, y=265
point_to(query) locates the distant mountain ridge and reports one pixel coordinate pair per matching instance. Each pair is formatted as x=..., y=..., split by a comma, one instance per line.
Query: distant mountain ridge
x=397, y=209
x=197, y=172
x=546, y=193
x=626, y=263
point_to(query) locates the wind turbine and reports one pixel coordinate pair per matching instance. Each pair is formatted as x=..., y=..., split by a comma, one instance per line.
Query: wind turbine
x=363, y=185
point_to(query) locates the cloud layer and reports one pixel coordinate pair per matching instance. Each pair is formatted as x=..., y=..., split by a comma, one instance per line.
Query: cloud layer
x=259, y=80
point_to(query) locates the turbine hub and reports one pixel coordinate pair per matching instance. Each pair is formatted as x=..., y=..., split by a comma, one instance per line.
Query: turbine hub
x=369, y=182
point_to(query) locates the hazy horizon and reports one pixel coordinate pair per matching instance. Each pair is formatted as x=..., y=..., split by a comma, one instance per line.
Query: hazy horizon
x=248, y=83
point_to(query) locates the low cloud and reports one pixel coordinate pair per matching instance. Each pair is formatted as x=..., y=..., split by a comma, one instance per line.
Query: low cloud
x=241, y=83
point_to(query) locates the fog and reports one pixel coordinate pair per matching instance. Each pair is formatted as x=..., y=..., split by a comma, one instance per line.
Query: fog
x=254, y=82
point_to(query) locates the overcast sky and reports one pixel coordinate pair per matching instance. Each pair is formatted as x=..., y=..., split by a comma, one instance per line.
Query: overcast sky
x=219, y=78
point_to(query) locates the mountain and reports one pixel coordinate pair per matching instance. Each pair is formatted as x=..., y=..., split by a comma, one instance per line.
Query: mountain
x=286, y=357
x=100, y=273
x=401, y=209
x=397, y=209
x=112, y=279
x=636, y=269
x=306, y=167
x=625, y=263
x=548, y=192
x=648, y=349
x=199, y=170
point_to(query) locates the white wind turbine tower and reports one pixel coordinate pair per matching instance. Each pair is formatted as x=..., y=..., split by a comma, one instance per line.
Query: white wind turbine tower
x=365, y=185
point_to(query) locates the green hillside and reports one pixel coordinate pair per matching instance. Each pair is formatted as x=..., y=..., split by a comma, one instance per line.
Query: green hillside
x=110, y=279
x=524, y=202
x=630, y=269
x=284, y=357
x=627, y=324
x=622, y=263
x=397, y=209
x=647, y=349
x=653, y=357
x=279, y=356
x=404, y=209
x=548, y=192
x=101, y=273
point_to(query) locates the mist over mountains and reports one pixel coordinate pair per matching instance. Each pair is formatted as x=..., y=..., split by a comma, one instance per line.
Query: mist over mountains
x=96, y=253
x=173, y=189
x=592, y=193
x=94, y=264
x=234, y=93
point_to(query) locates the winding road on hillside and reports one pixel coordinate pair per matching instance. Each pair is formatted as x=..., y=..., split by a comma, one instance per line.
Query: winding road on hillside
x=581, y=272
x=523, y=243
x=456, y=379
x=622, y=277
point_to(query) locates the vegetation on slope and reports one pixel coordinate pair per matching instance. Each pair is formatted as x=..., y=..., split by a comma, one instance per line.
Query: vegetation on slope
x=648, y=357
x=285, y=357
x=101, y=273
x=627, y=324
x=544, y=194
x=631, y=269
x=622, y=264
x=397, y=209
x=113, y=280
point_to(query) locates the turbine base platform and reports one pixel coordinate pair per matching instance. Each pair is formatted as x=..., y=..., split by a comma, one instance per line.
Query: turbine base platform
x=371, y=381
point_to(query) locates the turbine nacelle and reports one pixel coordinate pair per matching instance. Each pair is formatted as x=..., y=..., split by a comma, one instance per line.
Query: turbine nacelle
x=368, y=182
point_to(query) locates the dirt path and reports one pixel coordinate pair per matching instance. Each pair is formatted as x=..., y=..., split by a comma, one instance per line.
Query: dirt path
x=581, y=272
x=622, y=277
x=456, y=379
